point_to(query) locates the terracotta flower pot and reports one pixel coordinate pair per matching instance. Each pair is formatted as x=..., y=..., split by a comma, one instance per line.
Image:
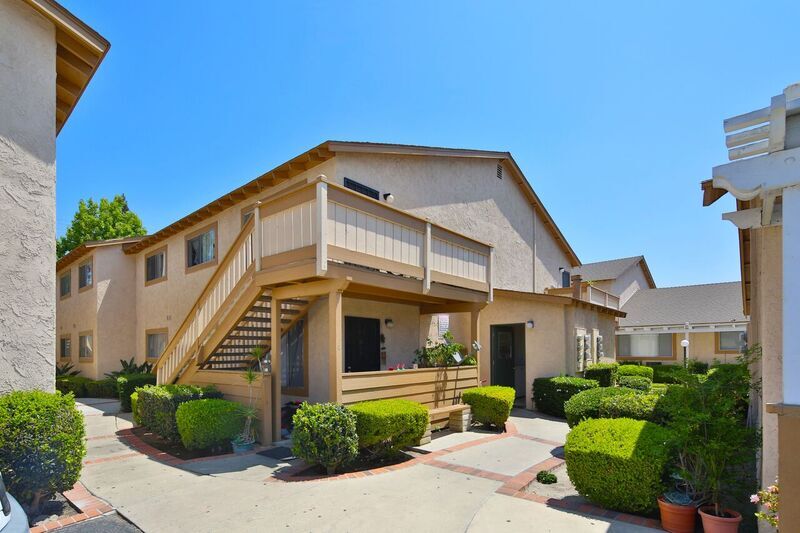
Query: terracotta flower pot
x=719, y=524
x=677, y=518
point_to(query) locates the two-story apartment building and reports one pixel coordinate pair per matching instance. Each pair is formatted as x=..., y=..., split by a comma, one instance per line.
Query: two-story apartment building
x=367, y=250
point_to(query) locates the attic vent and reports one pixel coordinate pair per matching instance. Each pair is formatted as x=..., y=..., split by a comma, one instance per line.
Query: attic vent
x=360, y=187
x=499, y=171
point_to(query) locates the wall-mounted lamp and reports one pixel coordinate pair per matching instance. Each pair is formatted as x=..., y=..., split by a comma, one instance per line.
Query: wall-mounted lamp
x=529, y=324
x=389, y=198
x=389, y=323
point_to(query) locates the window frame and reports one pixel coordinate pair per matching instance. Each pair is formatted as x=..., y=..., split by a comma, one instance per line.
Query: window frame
x=68, y=275
x=89, y=286
x=299, y=391
x=154, y=331
x=190, y=236
x=718, y=343
x=672, y=357
x=62, y=338
x=147, y=256
x=87, y=333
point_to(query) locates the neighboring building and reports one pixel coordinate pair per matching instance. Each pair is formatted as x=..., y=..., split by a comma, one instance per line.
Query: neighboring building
x=708, y=316
x=764, y=177
x=621, y=277
x=47, y=57
x=392, y=245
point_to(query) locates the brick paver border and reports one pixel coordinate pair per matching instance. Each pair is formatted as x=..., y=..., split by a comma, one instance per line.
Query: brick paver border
x=90, y=506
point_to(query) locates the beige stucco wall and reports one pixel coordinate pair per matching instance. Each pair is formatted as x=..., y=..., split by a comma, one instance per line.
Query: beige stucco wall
x=466, y=196
x=116, y=308
x=27, y=198
x=76, y=314
x=583, y=318
x=626, y=285
x=702, y=347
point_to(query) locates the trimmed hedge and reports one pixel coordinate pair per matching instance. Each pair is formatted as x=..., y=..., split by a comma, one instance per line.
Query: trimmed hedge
x=41, y=444
x=325, y=434
x=104, y=388
x=490, y=405
x=587, y=404
x=670, y=374
x=74, y=384
x=157, y=405
x=127, y=384
x=619, y=463
x=604, y=373
x=137, y=418
x=696, y=367
x=636, y=370
x=636, y=406
x=550, y=394
x=635, y=382
x=208, y=424
x=385, y=426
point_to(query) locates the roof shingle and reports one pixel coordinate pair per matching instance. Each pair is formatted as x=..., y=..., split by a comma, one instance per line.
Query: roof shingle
x=713, y=303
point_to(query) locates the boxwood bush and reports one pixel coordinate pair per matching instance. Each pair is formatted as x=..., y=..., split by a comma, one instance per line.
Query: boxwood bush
x=385, y=426
x=490, y=405
x=157, y=405
x=670, y=374
x=127, y=384
x=636, y=370
x=549, y=394
x=587, y=404
x=636, y=406
x=640, y=383
x=74, y=384
x=104, y=388
x=41, y=444
x=696, y=367
x=604, y=373
x=208, y=424
x=325, y=434
x=137, y=418
x=619, y=463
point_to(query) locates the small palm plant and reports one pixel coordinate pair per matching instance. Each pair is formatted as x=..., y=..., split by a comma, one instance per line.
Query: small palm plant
x=248, y=435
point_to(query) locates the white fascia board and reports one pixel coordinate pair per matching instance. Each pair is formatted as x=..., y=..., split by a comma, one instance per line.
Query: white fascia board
x=748, y=178
x=694, y=328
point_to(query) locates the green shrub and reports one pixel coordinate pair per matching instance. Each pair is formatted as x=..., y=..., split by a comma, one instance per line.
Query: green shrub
x=549, y=394
x=127, y=384
x=546, y=478
x=640, y=383
x=41, y=444
x=696, y=367
x=208, y=424
x=586, y=404
x=636, y=370
x=604, y=373
x=137, y=418
x=670, y=374
x=490, y=405
x=74, y=384
x=636, y=406
x=104, y=388
x=325, y=434
x=385, y=426
x=157, y=405
x=618, y=463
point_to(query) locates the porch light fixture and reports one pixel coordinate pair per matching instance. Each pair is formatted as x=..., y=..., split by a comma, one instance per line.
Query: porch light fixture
x=685, y=344
x=389, y=323
x=529, y=324
x=389, y=198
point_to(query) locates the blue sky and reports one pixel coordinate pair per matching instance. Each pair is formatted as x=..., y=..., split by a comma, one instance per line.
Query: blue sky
x=613, y=110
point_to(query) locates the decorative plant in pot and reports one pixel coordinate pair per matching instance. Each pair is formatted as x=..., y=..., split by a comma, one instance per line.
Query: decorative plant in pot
x=440, y=354
x=679, y=507
x=247, y=438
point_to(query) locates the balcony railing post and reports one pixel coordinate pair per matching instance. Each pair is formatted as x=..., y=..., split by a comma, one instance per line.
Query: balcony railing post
x=322, y=226
x=257, y=235
x=427, y=259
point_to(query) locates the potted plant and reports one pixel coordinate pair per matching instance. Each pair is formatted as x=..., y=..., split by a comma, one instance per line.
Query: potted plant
x=678, y=507
x=246, y=439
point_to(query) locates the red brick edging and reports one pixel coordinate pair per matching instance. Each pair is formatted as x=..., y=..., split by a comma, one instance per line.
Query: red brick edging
x=90, y=506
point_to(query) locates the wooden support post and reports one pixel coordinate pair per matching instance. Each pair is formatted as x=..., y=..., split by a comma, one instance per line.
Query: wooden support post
x=335, y=348
x=475, y=334
x=267, y=416
x=257, y=238
x=275, y=349
x=322, y=227
x=427, y=259
x=490, y=275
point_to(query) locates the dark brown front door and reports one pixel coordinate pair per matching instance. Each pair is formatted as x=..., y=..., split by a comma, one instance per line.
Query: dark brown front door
x=362, y=344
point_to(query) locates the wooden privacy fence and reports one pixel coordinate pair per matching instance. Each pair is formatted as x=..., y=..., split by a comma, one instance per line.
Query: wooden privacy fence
x=432, y=387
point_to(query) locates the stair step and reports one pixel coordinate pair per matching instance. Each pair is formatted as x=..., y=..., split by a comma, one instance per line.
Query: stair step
x=248, y=337
x=266, y=309
x=295, y=301
x=251, y=328
x=262, y=319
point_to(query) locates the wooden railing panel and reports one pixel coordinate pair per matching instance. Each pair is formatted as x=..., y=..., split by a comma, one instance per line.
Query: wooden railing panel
x=290, y=229
x=450, y=258
x=432, y=387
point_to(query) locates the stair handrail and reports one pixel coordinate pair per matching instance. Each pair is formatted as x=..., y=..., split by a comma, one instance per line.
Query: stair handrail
x=183, y=344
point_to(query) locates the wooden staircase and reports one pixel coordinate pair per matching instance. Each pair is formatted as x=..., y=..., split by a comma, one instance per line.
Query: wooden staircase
x=253, y=330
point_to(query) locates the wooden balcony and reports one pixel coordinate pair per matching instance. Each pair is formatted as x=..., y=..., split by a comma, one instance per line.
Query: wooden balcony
x=589, y=293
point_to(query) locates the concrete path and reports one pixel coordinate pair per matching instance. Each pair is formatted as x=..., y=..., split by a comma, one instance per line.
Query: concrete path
x=240, y=493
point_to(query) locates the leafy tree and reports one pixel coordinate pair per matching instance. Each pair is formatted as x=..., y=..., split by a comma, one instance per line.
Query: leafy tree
x=109, y=219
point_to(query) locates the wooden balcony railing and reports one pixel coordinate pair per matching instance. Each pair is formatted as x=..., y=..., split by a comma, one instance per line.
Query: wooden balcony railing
x=589, y=294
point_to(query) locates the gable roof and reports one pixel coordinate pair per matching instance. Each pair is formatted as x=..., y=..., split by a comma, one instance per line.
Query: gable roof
x=612, y=269
x=327, y=150
x=86, y=247
x=714, y=303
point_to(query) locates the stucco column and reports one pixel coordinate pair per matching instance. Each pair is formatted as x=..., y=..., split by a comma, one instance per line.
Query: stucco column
x=275, y=366
x=475, y=335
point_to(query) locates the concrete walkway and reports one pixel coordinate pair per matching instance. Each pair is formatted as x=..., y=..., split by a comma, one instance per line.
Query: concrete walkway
x=455, y=492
